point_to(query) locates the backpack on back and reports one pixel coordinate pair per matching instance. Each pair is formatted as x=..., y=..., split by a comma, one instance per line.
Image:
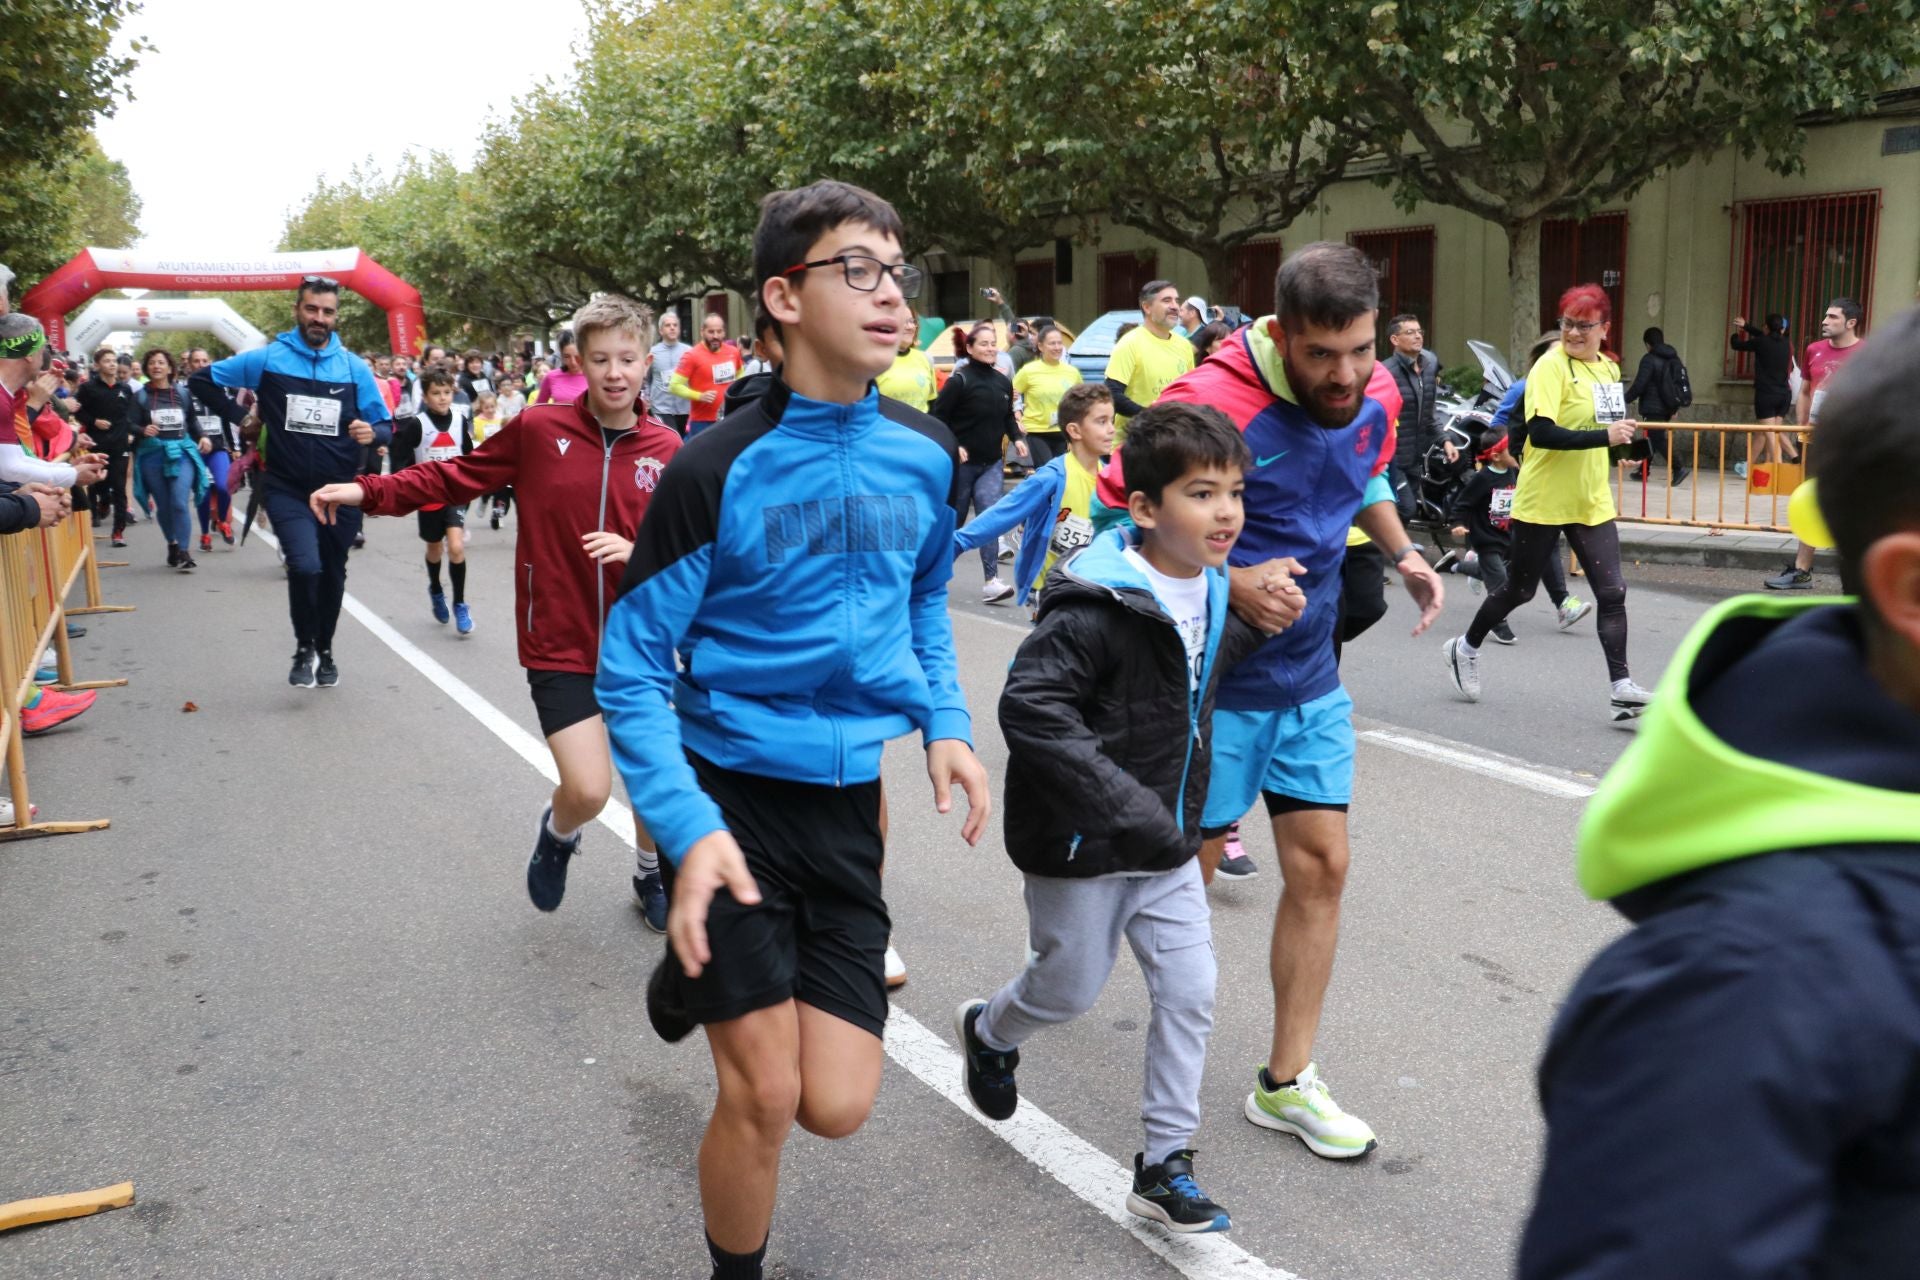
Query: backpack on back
x=1674, y=384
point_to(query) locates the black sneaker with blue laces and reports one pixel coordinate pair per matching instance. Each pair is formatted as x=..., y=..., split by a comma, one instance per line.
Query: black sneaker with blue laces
x=989, y=1072
x=547, y=869
x=1167, y=1194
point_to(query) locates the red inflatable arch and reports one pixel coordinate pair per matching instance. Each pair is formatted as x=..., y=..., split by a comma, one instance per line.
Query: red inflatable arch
x=92, y=270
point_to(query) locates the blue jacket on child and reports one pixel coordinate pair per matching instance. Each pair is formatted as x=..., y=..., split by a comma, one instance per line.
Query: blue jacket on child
x=1034, y=503
x=796, y=558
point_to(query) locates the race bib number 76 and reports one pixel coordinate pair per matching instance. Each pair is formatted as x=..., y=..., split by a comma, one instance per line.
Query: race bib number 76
x=313, y=415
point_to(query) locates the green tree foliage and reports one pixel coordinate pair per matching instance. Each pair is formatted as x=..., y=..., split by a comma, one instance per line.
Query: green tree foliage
x=57, y=73
x=1539, y=109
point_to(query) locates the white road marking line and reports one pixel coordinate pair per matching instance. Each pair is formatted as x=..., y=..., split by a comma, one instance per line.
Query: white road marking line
x=1023, y=628
x=1075, y=1163
x=1071, y=1160
x=1473, y=760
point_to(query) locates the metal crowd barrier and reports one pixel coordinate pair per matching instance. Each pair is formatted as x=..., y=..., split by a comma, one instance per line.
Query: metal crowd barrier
x=1714, y=495
x=38, y=570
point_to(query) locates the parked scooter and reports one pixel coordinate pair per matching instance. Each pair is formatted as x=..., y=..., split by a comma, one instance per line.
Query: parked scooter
x=1439, y=476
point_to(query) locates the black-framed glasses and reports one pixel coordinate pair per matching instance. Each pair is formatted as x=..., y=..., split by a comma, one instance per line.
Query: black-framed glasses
x=864, y=273
x=1569, y=325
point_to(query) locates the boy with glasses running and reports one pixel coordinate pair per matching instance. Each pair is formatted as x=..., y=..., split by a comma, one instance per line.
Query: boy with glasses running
x=795, y=563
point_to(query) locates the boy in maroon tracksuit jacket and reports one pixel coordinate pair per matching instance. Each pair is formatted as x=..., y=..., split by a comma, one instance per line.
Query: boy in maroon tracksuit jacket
x=584, y=473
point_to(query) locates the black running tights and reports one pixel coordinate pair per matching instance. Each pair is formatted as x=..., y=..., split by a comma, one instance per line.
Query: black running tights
x=1597, y=547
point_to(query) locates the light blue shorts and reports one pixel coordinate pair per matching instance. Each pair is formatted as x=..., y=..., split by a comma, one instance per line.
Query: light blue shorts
x=1304, y=752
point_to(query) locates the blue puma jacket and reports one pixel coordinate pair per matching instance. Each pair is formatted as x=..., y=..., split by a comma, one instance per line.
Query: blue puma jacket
x=796, y=559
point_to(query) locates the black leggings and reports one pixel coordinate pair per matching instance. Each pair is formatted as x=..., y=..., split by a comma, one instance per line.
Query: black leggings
x=1597, y=546
x=1044, y=446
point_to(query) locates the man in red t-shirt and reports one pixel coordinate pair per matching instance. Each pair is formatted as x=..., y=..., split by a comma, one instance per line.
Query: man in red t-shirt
x=1840, y=338
x=704, y=373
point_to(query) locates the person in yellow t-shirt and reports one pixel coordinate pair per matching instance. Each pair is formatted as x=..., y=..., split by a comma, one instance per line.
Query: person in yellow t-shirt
x=910, y=380
x=1575, y=412
x=1040, y=384
x=1150, y=357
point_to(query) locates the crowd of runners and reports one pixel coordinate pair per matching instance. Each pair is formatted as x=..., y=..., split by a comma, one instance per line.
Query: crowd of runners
x=731, y=585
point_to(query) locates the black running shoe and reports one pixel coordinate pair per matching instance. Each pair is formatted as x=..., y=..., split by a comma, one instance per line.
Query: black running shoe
x=1168, y=1194
x=547, y=869
x=664, y=1008
x=301, y=677
x=325, y=674
x=187, y=563
x=173, y=555
x=989, y=1073
x=1446, y=563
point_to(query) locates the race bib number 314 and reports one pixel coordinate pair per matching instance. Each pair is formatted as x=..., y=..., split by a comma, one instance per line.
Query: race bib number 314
x=1609, y=403
x=313, y=415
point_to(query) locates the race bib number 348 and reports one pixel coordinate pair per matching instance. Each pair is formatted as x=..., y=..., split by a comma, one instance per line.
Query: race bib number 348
x=313, y=415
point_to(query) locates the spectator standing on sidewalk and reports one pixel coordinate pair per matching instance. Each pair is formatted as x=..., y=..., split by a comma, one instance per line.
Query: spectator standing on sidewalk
x=1662, y=389
x=1772, y=386
x=1416, y=371
x=1840, y=338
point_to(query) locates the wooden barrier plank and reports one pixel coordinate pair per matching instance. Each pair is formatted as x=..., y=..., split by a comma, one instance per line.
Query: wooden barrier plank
x=23, y=1213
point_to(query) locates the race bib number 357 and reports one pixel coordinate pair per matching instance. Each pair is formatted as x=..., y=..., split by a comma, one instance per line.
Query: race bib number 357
x=313, y=415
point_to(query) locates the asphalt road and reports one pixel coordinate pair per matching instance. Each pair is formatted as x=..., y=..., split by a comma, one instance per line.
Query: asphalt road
x=297, y=995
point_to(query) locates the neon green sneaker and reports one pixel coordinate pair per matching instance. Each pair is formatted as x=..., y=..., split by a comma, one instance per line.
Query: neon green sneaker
x=1307, y=1111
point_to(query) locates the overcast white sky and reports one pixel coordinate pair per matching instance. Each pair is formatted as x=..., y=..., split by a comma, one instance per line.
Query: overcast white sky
x=266, y=96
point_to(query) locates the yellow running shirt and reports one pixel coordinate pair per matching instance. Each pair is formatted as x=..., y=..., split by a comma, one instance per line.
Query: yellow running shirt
x=1145, y=365
x=909, y=380
x=1566, y=486
x=1073, y=523
x=1041, y=385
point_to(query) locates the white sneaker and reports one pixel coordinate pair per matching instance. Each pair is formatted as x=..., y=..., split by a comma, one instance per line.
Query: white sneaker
x=1572, y=609
x=994, y=591
x=1629, y=699
x=896, y=969
x=1463, y=667
x=1307, y=1111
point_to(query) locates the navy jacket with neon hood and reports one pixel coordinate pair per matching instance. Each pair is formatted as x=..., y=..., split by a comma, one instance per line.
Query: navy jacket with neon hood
x=1108, y=735
x=307, y=399
x=1732, y=1090
x=796, y=558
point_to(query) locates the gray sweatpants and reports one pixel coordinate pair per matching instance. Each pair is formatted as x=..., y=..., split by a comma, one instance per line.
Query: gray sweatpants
x=1074, y=929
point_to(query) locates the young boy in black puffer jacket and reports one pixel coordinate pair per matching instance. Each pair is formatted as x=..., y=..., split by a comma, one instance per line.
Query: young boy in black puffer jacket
x=1107, y=713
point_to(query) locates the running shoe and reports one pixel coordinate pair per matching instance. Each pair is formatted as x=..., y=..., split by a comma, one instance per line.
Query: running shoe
x=173, y=555
x=187, y=563
x=1791, y=578
x=226, y=531
x=994, y=591
x=438, y=599
x=547, y=869
x=1234, y=862
x=1628, y=700
x=359, y=541
x=1305, y=1109
x=1447, y=562
x=651, y=894
x=895, y=968
x=1680, y=474
x=301, y=677
x=495, y=521
x=989, y=1073
x=75, y=631
x=462, y=619
x=325, y=674
x=53, y=709
x=1167, y=1193
x=119, y=540
x=7, y=811
x=1463, y=668
x=206, y=542
x=665, y=1009
x=1572, y=609
x=1740, y=469
x=1474, y=585
x=1503, y=634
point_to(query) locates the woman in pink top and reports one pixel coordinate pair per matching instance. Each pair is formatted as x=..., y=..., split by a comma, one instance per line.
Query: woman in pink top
x=567, y=383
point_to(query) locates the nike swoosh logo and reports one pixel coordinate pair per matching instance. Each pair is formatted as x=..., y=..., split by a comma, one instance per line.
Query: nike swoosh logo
x=334, y=391
x=1261, y=462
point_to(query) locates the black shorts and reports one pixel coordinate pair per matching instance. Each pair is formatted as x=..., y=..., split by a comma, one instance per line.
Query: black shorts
x=819, y=933
x=434, y=524
x=562, y=699
x=1769, y=406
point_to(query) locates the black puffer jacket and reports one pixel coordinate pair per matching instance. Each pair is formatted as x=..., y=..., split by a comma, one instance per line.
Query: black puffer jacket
x=977, y=406
x=1108, y=753
x=1649, y=387
x=1419, y=400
